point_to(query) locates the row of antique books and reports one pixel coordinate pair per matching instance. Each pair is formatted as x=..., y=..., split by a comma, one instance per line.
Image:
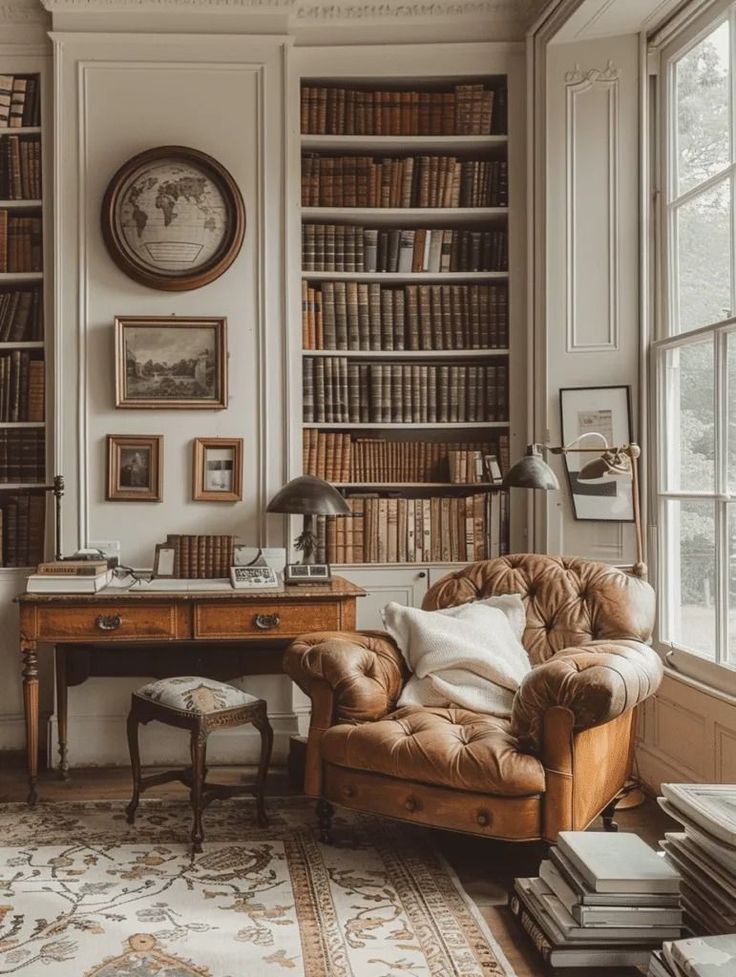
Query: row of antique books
x=600, y=900
x=441, y=529
x=342, y=457
x=22, y=386
x=20, y=243
x=410, y=181
x=369, y=316
x=22, y=455
x=20, y=167
x=704, y=853
x=22, y=519
x=338, y=390
x=463, y=110
x=21, y=315
x=20, y=103
x=345, y=247
x=201, y=557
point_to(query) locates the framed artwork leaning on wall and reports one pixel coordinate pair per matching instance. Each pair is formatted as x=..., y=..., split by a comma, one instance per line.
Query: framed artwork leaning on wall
x=135, y=467
x=217, y=470
x=171, y=362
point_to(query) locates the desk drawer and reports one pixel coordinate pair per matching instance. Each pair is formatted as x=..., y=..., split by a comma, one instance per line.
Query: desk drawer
x=270, y=620
x=122, y=621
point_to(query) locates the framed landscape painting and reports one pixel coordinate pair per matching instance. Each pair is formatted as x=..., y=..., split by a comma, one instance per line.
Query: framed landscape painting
x=171, y=362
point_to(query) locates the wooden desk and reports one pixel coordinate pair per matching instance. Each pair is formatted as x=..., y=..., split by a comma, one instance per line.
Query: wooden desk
x=252, y=627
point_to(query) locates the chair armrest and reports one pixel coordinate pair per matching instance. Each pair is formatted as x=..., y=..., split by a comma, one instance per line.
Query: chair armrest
x=596, y=681
x=364, y=670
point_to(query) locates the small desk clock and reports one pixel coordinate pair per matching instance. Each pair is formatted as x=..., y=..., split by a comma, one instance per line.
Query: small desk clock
x=307, y=573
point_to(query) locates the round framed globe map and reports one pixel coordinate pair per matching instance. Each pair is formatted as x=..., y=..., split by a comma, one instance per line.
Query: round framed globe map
x=173, y=218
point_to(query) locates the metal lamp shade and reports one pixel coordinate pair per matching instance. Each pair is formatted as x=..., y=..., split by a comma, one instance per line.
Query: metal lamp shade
x=309, y=496
x=531, y=472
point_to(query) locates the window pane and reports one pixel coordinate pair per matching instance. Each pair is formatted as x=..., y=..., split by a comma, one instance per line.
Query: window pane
x=687, y=432
x=702, y=90
x=704, y=258
x=732, y=585
x=731, y=413
x=691, y=590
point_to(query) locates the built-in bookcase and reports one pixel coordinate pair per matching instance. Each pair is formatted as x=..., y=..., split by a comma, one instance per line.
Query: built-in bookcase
x=23, y=326
x=405, y=305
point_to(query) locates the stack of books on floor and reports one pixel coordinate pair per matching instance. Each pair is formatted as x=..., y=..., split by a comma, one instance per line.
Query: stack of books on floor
x=70, y=577
x=601, y=900
x=704, y=853
x=701, y=956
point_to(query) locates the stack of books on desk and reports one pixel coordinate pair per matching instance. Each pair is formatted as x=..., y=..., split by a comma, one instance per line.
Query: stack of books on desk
x=704, y=853
x=601, y=900
x=702, y=956
x=69, y=577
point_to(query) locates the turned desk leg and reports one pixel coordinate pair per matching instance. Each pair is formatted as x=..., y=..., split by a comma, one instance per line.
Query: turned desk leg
x=62, y=712
x=30, y=707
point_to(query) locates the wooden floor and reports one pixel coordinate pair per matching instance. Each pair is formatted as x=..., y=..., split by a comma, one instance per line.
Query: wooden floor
x=485, y=868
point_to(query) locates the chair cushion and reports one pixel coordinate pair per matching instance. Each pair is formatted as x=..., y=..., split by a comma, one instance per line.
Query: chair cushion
x=191, y=693
x=449, y=747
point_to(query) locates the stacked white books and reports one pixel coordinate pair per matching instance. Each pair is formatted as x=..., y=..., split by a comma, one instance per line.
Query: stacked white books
x=69, y=577
x=704, y=853
x=702, y=956
x=601, y=900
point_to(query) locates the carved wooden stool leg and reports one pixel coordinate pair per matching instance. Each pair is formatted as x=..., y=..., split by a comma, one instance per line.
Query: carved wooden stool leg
x=325, y=814
x=607, y=814
x=264, y=728
x=199, y=756
x=135, y=763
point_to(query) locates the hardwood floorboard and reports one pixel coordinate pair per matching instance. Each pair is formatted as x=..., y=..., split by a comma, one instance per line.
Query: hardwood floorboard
x=485, y=868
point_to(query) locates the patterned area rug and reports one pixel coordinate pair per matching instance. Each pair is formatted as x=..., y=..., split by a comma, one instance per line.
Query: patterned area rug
x=84, y=894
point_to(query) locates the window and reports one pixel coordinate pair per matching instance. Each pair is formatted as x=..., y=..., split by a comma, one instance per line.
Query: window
x=695, y=359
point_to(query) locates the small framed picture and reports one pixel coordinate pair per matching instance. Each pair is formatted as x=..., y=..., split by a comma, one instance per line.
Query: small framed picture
x=253, y=578
x=492, y=469
x=165, y=362
x=135, y=467
x=163, y=564
x=217, y=470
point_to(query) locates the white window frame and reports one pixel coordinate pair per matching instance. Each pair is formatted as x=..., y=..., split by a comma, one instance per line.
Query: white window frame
x=719, y=673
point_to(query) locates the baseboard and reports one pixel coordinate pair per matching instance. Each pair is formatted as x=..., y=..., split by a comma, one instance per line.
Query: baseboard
x=653, y=770
x=102, y=741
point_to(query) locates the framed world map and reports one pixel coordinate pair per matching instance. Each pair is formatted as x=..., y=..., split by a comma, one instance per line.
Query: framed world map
x=173, y=218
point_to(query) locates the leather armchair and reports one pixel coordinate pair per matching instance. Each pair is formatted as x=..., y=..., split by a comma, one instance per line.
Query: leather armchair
x=556, y=764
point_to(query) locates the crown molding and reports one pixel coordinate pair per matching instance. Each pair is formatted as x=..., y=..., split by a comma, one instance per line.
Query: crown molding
x=23, y=12
x=163, y=6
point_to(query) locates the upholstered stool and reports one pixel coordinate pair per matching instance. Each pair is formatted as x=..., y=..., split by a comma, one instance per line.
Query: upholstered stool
x=200, y=705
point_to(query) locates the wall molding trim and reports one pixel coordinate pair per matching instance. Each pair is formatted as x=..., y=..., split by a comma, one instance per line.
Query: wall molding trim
x=579, y=83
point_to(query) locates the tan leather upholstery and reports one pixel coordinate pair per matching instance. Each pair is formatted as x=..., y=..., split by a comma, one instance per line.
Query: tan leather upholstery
x=567, y=745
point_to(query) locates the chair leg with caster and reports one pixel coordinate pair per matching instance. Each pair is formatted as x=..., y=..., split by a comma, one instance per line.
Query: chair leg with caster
x=325, y=814
x=607, y=814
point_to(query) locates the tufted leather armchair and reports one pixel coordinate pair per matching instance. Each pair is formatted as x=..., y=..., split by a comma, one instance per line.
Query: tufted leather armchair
x=557, y=763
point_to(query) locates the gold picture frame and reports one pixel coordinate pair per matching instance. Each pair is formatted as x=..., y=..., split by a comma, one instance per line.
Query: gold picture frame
x=217, y=469
x=135, y=471
x=171, y=362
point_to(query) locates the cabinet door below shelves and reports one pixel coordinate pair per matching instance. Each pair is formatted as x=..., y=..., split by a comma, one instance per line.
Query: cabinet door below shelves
x=405, y=585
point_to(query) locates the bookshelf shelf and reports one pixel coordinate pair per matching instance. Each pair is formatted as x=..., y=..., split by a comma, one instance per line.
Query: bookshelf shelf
x=404, y=215
x=404, y=144
x=36, y=344
x=15, y=486
x=453, y=277
x=19, y=130
x=402, y=426
x=28, y=424
x=428, y=308
x=21, y=276
x=18, y=204
x=407, y=354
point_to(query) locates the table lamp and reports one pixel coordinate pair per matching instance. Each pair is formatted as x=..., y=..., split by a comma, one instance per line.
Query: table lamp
x=310, y=497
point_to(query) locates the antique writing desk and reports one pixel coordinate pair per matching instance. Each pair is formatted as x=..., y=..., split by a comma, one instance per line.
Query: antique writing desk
x=219, y=633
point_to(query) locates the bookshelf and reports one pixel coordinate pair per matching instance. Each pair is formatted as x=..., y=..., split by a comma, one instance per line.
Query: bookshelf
x=406, y=305
x=23, y=312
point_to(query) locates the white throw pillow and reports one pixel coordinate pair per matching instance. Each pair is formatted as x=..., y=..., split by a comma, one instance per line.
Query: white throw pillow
x=469, y=656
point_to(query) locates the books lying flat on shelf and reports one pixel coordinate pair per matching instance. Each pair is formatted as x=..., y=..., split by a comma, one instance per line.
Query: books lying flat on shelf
x=368, y=316
x=703, y=853
x=564, y=912
x=403, y=182
x=72, y=568
x=19, y=101
x=40, y=583
x=624, y=863
x=469, y=109
x=700, y=956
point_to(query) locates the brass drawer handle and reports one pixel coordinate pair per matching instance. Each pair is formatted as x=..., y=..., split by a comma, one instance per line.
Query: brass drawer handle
x=108, y=622
x=267, y=622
